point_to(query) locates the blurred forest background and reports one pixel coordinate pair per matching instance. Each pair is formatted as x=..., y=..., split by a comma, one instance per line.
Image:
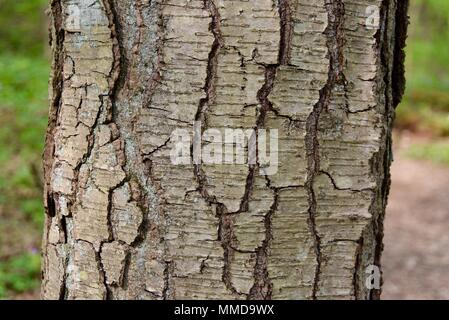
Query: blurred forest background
x=412, y=259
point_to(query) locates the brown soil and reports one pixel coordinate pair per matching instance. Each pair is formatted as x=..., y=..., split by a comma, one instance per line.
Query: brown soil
x=416, y=255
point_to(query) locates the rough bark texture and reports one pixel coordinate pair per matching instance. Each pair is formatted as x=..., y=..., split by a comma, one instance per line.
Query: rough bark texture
x=123, y=222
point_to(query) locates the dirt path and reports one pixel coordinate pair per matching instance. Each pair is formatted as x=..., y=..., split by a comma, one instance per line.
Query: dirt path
x=416, y=256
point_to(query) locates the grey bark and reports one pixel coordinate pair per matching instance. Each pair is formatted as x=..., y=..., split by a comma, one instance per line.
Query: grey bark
x=123, y=222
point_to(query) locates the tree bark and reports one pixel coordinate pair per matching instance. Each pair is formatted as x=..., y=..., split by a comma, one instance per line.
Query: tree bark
x=124, y=222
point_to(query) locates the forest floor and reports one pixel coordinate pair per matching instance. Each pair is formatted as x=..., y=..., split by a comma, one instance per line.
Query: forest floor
x=416, y=256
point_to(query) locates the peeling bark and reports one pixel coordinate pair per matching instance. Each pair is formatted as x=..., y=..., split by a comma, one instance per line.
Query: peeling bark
x=124, y=222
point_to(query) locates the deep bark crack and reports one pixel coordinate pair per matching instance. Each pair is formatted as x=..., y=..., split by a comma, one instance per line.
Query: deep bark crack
x=225, y=231
x=263, y=287
x=286, y=31
x=392, y=67
x=334, y=36
x=57, y=44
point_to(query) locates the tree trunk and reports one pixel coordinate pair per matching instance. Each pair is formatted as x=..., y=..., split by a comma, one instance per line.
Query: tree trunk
x=126, y=222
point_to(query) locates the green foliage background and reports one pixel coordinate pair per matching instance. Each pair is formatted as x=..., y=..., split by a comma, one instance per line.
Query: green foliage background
x=426, y=103
x=24, y=71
